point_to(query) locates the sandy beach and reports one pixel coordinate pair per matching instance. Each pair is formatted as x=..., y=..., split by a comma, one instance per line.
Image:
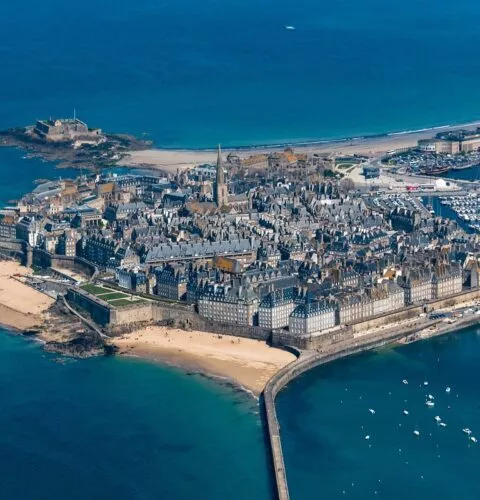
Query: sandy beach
x=21, y=306
x=170, y=161
x=249, y=363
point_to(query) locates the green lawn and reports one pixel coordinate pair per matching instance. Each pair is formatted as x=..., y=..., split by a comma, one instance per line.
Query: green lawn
x=125, y=302
x=94, y=289
x=112, y=296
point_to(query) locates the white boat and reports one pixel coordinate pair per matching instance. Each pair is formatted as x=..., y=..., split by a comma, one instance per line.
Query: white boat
x=405, y=381
x=425, y=383
x=438, y=419
x=430, y=397
x=473, y=439
x=416, y=433
x=442, y=424
x=289, y=28
x=405, y=412
x=447, y=390
x=467, y=431
x=372, y=411
x=430, y=404
x=367, y=437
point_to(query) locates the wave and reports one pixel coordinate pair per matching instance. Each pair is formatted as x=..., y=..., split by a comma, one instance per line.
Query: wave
x=322, y=142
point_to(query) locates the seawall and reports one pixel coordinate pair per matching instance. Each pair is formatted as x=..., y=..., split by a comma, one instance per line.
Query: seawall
x=312, y=359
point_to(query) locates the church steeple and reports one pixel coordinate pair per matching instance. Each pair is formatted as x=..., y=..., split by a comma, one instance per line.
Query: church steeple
x=220, y=173
x=220, y=188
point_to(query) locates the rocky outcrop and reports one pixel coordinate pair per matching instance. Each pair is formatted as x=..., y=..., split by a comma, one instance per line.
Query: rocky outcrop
x=83, y=346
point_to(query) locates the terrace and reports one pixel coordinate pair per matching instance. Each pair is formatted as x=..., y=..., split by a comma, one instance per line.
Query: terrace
x=112, y=297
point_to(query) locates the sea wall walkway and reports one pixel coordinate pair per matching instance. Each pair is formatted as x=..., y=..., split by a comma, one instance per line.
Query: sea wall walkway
x=89, y=323
x=310, y=359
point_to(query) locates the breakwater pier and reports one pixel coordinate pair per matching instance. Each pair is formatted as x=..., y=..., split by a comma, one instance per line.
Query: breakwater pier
x=311, y=359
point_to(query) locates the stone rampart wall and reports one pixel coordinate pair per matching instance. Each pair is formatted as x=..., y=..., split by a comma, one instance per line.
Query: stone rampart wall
x=98, y=310
x=180, y=317
x=42, y=258
x=346, y=333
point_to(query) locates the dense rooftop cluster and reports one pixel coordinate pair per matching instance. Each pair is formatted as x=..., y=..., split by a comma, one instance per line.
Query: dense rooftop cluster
x=274, y=241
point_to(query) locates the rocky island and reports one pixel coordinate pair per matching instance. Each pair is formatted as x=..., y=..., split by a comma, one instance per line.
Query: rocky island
x=71, y=143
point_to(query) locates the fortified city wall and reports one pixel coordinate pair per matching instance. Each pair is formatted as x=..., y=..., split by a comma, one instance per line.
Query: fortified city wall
x=355, y=329
x=13, y=249
x=122, y=319
x=42, y=258
x=182, y=317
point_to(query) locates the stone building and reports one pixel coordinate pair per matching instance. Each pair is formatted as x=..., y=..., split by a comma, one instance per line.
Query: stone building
x=171, y=282
x=312, y=318
x=386, y=297
x=69, y=129
x=8, y=228
x=67, y=243
x=353, y=307
x=132, y=279
x=276, y=307
x=418, y=285
x=447, y=280
x=405, y=220
x=229, y=304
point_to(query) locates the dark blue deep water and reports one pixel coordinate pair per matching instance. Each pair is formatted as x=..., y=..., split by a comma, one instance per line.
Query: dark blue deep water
x=194, y=73
x=324, y=416
x=123, y=429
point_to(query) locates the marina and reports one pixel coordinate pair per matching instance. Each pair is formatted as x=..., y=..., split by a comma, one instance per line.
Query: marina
x=466, y=209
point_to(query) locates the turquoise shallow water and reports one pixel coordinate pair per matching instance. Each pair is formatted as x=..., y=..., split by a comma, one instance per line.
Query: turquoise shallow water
x=324, y=417
x=192, y=74
x=123, y=429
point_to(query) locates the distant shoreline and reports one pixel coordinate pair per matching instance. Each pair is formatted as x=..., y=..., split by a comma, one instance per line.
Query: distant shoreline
x=170, y=160
x=332, y=141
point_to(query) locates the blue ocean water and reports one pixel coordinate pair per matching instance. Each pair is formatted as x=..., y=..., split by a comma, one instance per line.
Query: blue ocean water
x=192, y=74
x=19, y=173
x=116, y=428
x=324, y=417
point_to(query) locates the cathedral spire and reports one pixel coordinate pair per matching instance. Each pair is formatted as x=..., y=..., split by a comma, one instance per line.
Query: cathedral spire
x=220, y=173
x=220, y=188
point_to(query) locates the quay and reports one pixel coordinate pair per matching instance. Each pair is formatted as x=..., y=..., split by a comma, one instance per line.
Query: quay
x=311, y=359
